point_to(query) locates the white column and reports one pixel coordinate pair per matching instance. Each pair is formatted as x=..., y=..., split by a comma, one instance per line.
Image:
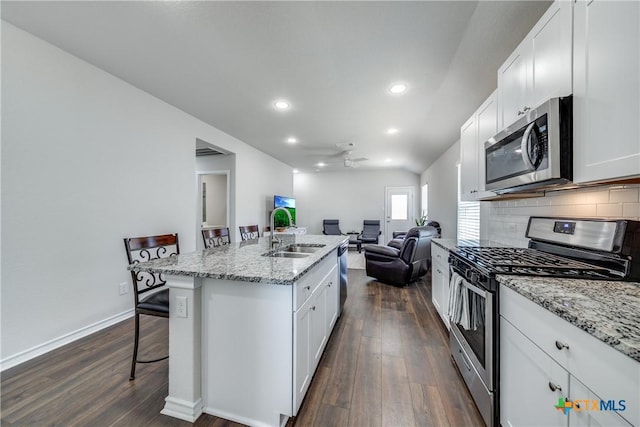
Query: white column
x=185, y=389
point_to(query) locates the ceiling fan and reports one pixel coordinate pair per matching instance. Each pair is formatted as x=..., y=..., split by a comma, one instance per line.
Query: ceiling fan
x=349, y=162
x=346, y=154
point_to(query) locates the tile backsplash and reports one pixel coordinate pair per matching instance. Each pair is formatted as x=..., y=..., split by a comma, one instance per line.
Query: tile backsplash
x=506, y=220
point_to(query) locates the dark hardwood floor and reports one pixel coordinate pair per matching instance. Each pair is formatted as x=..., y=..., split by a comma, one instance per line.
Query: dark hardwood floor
x=386, y=364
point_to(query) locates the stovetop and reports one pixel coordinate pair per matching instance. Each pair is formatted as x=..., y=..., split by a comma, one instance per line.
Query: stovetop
x=530, y=262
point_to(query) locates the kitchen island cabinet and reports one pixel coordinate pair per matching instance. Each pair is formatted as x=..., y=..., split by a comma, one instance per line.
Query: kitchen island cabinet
x=253, y=327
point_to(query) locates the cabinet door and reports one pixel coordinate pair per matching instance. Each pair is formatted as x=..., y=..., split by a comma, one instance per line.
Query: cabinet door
x=512, y=84
x=551, y=54
x=302, y=351
x=527, y=376
x=582, y=415
x=487, y=121
x=606, y=131
x=468, y=160
x=318, y=325
x=333, y=299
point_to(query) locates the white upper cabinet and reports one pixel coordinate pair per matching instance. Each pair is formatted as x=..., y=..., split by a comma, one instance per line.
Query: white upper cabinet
x=473, y=134
x=606, y=89
x=540, y=67
x=468, y=160
x=512, y=85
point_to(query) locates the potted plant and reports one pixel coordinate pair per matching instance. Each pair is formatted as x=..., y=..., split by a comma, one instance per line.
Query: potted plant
x=422, y=220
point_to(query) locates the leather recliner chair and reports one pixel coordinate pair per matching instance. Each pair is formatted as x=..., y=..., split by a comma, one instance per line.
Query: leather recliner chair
x=405, y=265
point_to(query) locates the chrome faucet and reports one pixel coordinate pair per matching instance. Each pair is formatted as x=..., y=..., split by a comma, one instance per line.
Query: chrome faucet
x=272, y=237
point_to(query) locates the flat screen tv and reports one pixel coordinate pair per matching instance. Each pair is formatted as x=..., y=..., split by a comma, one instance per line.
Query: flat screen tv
x=280, y=218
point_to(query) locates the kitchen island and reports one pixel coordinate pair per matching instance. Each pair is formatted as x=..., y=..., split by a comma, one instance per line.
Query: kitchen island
x=247, y=330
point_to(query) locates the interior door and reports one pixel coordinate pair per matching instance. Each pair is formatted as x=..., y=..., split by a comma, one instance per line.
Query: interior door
x=399, y=210
x=212, y=208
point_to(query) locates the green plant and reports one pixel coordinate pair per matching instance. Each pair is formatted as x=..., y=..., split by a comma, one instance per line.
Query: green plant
x=421, y=221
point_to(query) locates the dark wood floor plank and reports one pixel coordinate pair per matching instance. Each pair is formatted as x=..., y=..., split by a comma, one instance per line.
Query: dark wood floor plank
x=343, y=370
x=386, y=364
x=367, y=391
x=397, y=407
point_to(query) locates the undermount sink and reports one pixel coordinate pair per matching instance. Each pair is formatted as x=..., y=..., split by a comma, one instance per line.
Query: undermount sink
x=299, y=250
x=307, y=248
x=283, y=254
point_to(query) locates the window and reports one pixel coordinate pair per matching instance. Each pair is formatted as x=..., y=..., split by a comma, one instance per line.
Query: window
x=468, y=217
x=399, y=206
x=425, y=200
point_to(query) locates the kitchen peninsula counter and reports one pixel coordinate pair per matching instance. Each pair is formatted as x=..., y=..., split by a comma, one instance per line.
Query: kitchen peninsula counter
x=245, y=261
x=246, y=330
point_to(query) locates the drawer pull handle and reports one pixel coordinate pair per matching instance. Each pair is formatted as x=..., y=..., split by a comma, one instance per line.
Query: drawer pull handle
x=554, y=387
x=330, y=283
x=314, y=309
x=561, y=345
x=575, y=404
x=307, y=287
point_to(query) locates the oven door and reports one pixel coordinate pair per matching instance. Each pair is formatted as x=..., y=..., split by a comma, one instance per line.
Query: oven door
x=471, y=317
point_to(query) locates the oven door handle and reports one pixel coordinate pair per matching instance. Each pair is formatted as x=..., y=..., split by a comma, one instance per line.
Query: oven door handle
x=483, y=293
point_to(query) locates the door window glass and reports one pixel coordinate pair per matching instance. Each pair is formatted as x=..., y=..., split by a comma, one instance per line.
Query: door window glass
x=399, y=207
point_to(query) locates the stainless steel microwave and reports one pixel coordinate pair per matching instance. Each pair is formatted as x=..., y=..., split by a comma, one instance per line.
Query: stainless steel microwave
x=533, y=153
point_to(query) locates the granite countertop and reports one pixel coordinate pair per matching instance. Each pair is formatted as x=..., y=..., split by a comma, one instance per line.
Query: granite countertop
x=607, y=310
x=244, y=261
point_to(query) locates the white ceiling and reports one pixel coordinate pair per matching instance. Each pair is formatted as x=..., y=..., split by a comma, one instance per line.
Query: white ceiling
x=226, y=62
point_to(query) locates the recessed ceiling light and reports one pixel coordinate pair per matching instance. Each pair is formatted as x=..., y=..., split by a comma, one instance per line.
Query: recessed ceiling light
x=391, y=131
x=296, y=171
x=388, y=160
x=398, y=88
x=281, y=104
x=292, y=140
x=321, y=164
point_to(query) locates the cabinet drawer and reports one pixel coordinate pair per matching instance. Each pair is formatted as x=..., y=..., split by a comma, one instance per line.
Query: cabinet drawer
x=304, y=287
x=439, y=255
x=603, y=369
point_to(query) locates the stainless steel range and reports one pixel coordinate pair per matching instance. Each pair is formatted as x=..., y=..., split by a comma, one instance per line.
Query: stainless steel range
x=558, y=247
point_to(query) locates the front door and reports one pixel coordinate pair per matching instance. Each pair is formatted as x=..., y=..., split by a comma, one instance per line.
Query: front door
x=399, y=210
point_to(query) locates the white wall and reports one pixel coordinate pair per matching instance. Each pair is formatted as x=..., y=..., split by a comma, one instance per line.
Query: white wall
x=88, y=159
x=350, y=196
x=442, y=177
x=507, y=220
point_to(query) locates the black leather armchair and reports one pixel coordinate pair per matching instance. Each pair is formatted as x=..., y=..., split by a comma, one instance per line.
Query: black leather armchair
x=398, y=236
x=405, y=265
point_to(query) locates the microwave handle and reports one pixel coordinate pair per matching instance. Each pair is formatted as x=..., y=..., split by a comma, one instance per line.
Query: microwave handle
x=524, y=147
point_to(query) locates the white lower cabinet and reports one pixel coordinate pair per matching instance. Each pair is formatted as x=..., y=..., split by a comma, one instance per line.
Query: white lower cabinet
x=302, y=361
x=313, y=322
x=440, y=282
x=583, y=413
x=544, y=358
x=528, y=377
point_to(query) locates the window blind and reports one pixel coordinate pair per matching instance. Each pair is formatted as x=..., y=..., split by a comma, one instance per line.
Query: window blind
x=468, y=217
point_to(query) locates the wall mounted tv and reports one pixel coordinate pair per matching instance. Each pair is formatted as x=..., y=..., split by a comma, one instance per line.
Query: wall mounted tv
x=280, y=218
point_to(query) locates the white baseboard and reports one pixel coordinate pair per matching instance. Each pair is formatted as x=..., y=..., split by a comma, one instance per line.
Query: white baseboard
x=23, y=356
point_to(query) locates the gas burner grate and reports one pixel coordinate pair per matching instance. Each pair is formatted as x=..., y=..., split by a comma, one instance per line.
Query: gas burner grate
x=525, y=261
